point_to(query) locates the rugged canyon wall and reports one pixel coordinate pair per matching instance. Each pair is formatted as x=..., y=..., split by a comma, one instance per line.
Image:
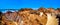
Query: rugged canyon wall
x=31, y=17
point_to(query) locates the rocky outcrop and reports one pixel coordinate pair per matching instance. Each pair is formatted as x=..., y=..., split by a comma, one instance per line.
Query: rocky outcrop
x=30, y=17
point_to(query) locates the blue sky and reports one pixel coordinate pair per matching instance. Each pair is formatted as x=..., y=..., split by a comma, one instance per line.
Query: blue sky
x=16, y=4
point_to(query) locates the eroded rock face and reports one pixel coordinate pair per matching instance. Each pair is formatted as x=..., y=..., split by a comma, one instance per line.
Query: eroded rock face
x=30, y=17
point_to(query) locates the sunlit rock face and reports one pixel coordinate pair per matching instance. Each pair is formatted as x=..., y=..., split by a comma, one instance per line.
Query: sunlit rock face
x=33, y=19
x=41, y=13
x=51, y=20
x=30, y=17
